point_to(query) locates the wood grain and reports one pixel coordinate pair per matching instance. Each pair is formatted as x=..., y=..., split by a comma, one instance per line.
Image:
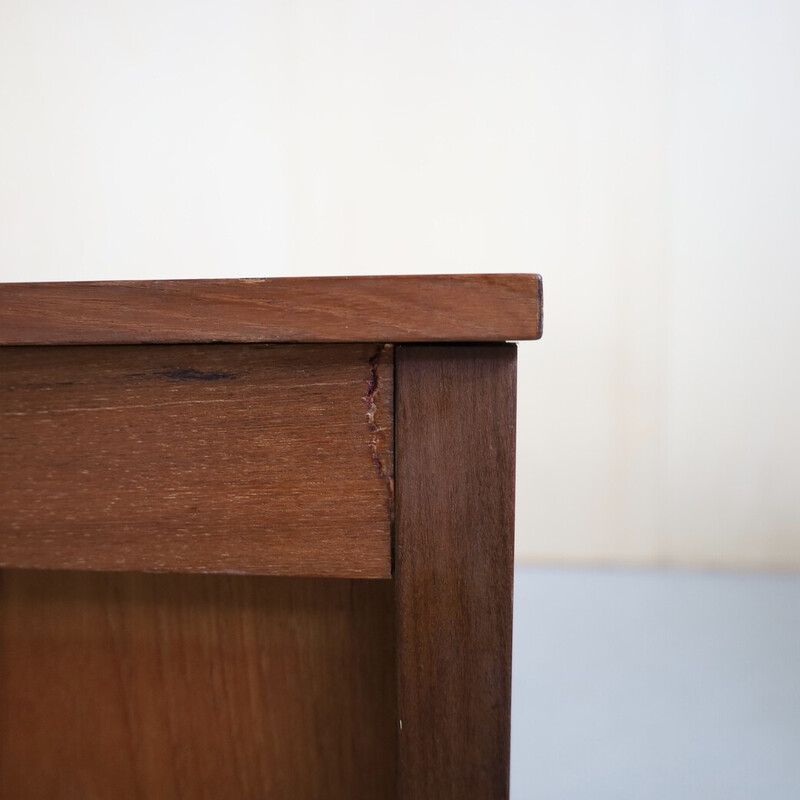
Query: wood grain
x=217, y=458
x=140, y=687
x=360, y=309
x=454, y=569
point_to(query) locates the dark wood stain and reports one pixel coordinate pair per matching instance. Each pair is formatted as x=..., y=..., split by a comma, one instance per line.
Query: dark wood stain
x=410, y=308
x=268, y=459
x=142, y=687
x=197, y=375
x=455, y=424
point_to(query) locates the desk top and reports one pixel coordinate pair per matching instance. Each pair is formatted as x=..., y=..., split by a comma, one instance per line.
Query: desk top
x=409, y=308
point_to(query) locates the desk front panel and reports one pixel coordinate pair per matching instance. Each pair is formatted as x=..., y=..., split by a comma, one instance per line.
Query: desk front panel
x=266, y=459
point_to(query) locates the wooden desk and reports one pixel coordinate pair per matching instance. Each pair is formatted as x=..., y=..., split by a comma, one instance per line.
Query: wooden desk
x=257, y=537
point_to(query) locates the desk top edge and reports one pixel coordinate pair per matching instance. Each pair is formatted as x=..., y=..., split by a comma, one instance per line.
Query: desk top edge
x=395, y=309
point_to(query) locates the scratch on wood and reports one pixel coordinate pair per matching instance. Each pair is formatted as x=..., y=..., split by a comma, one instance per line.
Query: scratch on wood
x=377, y=439
x=197, y=375
x=186, y=374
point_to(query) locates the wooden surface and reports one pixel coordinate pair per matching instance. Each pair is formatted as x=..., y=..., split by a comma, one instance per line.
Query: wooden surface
x=361, y=309
x=454, y=569
x=228, y=458
x=141, y=687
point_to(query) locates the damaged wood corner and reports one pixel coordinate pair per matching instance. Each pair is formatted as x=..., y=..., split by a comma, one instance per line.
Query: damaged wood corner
x=379, y=402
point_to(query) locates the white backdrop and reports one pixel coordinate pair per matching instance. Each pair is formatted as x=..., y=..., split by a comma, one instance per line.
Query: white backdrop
x=642, y=155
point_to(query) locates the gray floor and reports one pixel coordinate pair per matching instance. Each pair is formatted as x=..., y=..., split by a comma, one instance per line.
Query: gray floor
x=650, y=685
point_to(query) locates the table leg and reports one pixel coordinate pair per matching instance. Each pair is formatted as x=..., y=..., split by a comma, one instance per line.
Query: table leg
x=454, y=540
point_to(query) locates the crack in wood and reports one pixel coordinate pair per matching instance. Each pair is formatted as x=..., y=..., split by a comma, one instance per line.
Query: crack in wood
x=377, y=439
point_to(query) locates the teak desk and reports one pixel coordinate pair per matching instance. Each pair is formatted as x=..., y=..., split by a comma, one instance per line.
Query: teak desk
x=257, y=537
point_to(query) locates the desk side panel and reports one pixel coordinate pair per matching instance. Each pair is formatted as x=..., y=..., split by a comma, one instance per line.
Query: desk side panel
x=266, y=459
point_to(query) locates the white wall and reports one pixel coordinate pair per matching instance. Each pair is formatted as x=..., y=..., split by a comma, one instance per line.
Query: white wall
x=643, y=155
